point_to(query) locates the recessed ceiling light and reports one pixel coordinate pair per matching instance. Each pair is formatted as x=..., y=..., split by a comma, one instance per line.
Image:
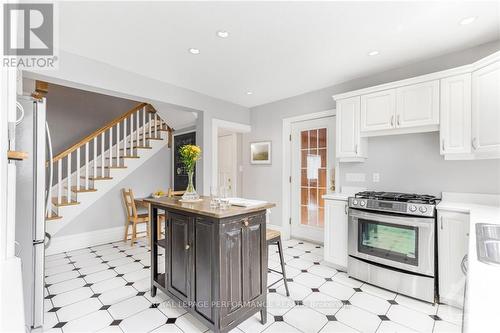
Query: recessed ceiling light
x=373, y=53
x=222, y=34
x=249, y=93
x=467, y=20
x=194, y=51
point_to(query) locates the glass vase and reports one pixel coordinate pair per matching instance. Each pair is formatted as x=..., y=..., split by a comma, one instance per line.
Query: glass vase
x=190, y=193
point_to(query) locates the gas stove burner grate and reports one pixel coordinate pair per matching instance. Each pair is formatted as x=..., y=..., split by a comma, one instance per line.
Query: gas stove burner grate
x=396, y=196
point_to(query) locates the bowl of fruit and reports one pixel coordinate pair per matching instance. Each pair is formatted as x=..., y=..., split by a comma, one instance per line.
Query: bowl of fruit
x=158, y=194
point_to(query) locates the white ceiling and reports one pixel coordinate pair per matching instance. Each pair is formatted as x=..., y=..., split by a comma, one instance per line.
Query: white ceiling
x=275, y=49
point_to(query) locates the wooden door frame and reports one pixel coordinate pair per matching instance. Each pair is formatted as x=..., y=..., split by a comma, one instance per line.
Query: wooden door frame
x=286, y=228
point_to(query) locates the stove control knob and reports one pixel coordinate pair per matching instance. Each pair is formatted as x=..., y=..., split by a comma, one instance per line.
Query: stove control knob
x=413, y=208
x=422, y=209
x=355, y=202
x=362, y=203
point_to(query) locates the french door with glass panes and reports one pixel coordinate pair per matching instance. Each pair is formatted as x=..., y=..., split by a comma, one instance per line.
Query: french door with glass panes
x=312, y=159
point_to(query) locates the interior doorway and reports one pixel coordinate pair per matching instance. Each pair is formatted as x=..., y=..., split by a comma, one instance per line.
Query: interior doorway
x=312, y=174
x=227, y=161
x=226, y=155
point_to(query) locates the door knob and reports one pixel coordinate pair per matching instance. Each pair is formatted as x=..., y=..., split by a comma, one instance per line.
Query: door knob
x=187, y=247
x=245, y=222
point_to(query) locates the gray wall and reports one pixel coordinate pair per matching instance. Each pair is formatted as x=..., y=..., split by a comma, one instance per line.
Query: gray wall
x=109, y=211
x=73, y=114
x=264, y=182
x=412, y=163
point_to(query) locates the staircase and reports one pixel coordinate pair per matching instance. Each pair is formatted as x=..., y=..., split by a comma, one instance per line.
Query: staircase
x=84, y=172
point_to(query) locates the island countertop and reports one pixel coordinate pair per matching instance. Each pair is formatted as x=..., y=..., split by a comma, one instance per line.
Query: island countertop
x=203, y=207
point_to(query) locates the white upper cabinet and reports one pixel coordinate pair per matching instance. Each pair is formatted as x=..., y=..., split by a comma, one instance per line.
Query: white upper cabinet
x=349, y=143
x=417, y=105
x=486, y=111
x=378, y=110
x=455, y=124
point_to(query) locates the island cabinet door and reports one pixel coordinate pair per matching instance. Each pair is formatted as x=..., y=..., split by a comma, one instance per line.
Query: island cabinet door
x=205, y=264
x=179, y=257
x=243, y=266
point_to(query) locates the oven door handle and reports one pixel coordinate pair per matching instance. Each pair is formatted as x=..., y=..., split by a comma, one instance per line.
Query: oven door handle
x=401, y=220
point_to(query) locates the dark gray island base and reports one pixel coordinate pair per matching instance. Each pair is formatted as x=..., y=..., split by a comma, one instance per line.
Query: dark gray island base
x=215, y=260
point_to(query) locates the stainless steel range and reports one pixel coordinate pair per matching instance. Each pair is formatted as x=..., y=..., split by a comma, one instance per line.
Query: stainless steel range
x=391, y=242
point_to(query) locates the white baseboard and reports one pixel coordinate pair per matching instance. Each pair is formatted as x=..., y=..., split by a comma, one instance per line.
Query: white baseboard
x=85, y=239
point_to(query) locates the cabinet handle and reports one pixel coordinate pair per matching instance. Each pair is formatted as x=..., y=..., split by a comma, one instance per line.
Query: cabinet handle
x=441, y=220
x=187, y=247
x=474, y=143
x=245, y=222
x=442, y=145
x=399, y=123
x=345, y=209
x=392, y=121
x=463, y=265
x=356, y=149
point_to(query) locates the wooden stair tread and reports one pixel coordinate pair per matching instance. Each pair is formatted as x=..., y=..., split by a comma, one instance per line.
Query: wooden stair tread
x=64, y=202
x=82, y=190
x=140, y=147
x=125, y=156
x=53, y=217
x=115, y=167
x=99, y=178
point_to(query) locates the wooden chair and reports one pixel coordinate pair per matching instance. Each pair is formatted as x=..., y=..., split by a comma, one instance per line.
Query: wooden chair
x=273, y=237
x=133, y=217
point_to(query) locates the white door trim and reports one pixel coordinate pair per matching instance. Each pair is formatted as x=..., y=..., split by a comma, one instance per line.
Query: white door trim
x=227, y=125
x=286, y=165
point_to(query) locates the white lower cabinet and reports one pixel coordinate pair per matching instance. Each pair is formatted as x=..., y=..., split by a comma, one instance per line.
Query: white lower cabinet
x=336, y=233
x=453, y=242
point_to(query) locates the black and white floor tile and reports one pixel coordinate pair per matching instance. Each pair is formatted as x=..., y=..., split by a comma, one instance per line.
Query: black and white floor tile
x=105, y=288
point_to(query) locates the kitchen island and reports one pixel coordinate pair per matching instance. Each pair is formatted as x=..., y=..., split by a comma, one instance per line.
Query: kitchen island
x=215, y=260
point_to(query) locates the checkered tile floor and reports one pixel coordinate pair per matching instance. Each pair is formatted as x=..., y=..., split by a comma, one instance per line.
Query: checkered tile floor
x=105, y=288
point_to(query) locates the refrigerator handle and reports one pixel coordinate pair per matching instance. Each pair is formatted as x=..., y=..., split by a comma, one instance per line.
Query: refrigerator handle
x=49, y=189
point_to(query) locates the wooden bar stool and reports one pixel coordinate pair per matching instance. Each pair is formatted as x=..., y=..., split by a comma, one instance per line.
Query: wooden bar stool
x=273, y=237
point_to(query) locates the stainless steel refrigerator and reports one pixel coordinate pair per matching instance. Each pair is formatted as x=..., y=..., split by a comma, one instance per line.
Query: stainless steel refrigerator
x=31, y=137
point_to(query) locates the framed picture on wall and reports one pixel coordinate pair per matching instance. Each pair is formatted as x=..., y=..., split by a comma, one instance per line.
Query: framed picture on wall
x=180, y=176
x=260, y=152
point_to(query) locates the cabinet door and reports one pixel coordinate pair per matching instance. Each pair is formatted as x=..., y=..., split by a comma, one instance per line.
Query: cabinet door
x=455, y=124
x=204, y=267
x=378, y=110
x=244, y=265
x=486, y=110
x=453, y=242
x=417, y=105
x=336, y=233
x=179, y=259
x=347, y=126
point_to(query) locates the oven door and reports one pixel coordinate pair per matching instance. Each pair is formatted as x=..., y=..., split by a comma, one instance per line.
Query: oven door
x=402, y=242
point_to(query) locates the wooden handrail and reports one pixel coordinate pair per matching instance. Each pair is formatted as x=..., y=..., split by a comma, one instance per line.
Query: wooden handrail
x=89, y=137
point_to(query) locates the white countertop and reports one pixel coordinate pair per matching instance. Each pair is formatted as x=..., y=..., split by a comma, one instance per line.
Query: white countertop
x=481, y=313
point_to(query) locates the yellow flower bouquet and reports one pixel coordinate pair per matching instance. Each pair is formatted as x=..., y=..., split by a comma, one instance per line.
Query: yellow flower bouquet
x=189, y=154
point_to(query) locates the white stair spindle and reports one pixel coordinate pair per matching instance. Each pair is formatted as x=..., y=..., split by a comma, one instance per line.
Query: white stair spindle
x=86, y=165
x=118, y=144
x=78, y=168
x=59, y=181
x=156, y=125
x=137, y=128
x=144, y=126
x=149, y=124
x=94, y=160
x=110, y=149
x=131, y=136
x=125, y=137
x=102, y=154
x=68, y=179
